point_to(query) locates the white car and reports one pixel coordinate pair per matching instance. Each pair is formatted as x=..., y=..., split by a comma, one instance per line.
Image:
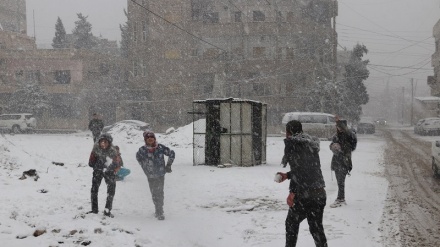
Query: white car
x=18, y=122
x=435, y=152
x=427, y=126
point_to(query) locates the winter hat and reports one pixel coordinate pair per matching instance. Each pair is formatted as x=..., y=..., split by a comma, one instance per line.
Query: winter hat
x=107, y=137
x=149, y=134
x=294, y=127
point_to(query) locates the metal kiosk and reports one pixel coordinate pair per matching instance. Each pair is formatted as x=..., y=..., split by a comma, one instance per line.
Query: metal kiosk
x=229, y=131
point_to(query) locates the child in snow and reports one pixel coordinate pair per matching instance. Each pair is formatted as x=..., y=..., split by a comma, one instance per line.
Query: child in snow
x=104, y=161
x=151, y=158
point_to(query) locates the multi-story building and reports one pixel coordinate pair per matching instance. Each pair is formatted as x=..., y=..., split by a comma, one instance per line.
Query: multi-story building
x=265, y=50
x=13, y=16
x=434, y=81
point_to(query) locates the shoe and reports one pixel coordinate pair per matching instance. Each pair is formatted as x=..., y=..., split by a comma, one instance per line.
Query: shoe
x=93, y=212
x=338, y=203
x=160, y=217
x=107, y=213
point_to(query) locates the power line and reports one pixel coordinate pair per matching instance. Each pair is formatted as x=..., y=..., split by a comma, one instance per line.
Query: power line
x=176, y=26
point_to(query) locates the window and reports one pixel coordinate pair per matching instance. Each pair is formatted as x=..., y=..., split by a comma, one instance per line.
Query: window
x=258, y=16
x=144, y=30
x=258, y=88
x=135, y=68
x=143, y=69
x=259, y=52
x=194, y=52
x=135, y=32
x=205, y=82
x=104, y=69
x=211, y=53
x=33, y=76
x=211, y=17
x=62, y=76
x=237, y=16
x=19, y=75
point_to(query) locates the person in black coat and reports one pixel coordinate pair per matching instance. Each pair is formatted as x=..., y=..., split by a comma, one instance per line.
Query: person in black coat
x=96, y=125
x=343, y=143
x=307, y=196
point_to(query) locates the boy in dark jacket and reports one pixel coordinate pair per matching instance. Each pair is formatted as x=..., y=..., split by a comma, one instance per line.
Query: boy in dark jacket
x=104, y=161
x=307, y=196
x=343, y=143
x=151, y=159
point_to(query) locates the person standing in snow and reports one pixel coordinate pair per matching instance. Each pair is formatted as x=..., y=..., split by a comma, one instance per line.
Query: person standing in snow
x=307, y=196
x=151, y=159
x=343, y=143
x=96, y=125
x=105, y=161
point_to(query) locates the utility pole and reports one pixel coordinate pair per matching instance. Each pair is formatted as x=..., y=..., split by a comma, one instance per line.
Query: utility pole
x=403, y=102
x=412, y=101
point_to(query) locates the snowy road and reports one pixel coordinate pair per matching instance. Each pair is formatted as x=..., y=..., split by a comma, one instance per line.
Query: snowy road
x=412, y=213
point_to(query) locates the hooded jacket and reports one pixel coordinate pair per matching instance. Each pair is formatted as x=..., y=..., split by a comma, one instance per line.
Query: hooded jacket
x=347, y=140
x=302, y=153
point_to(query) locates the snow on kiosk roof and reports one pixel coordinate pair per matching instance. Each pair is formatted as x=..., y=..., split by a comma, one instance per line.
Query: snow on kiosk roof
x=234, y=132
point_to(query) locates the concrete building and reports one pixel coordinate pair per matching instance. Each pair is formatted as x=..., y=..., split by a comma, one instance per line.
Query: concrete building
x=434, y=81
x=13, y=16
x=269, y=51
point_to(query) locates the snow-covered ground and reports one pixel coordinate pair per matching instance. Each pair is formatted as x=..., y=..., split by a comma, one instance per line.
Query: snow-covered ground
x=204, y=206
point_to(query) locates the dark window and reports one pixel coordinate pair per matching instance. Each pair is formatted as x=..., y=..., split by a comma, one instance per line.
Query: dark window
x=211, y=17
x=258, y=88
x=62, y=76
x=259, y=52
x=237, y=16
x=205, y=82
x=259, y=16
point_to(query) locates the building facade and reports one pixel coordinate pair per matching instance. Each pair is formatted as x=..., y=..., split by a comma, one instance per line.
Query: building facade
x=434, y=81
x=13, y=16
x=269, y=51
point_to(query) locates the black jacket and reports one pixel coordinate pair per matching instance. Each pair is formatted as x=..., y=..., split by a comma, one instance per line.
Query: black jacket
x=302, y=153
x=347, y=140
x=96, y=126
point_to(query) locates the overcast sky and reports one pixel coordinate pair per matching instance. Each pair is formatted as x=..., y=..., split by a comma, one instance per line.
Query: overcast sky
x=396, y=32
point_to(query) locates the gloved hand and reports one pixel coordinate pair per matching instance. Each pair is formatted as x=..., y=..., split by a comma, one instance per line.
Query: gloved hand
x=280, y=177
x=290, y=199
x=168, y=168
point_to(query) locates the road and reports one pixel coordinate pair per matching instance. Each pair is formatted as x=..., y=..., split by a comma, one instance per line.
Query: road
x=412, y=210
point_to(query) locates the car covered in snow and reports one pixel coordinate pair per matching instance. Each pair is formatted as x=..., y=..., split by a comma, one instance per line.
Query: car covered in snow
x=126, y=125
x=435, y=152
x=427, y=126
x=365, y=128
x=18, y=122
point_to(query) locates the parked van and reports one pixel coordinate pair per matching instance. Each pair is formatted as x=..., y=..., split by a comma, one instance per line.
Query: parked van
x=317, y=124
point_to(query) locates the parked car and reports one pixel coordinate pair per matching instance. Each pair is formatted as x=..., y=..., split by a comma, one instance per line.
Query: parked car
x=427, y=126
x=381, y=121
x=435, y=153
x=18, y=122
x=127, y=124
x=365, y=128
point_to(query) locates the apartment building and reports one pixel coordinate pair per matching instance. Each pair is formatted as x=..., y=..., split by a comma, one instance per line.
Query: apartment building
x=13, y=16
x=271, y=51
x=434, y=81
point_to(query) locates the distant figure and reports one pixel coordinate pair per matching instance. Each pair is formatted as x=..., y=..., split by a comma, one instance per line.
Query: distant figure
x=105, y=161
x=307, y=196
x=343, y=143
x=151, y=159
x=96, y=125
x=122, y=172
